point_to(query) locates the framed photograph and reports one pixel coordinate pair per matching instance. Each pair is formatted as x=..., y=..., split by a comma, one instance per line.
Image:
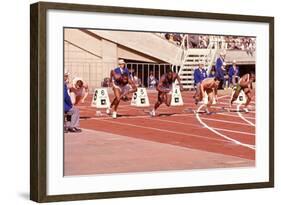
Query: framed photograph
x=134, y=102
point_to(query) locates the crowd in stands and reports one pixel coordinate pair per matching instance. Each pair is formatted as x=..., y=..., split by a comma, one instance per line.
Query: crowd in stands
x=194, y=41
x=247, y=44
x=241, y=43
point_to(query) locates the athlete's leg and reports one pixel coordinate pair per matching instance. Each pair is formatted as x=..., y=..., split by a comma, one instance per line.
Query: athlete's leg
x=117, y=94
x=199, y=96
x=168, y=99
x=114, y=99
x=108, y=110
x=235, y=94
x=249, y=95
x=160, y=99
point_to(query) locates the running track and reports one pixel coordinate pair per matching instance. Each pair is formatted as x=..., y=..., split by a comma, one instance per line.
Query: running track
x=227, y=133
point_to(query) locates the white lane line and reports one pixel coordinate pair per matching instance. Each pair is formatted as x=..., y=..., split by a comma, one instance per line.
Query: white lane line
x=243, y=118
x=162, y=130
x=226, y=121
x=221, y=129
x=226, y=114
x=227, y=103
x=105, y=116
x=222, y=135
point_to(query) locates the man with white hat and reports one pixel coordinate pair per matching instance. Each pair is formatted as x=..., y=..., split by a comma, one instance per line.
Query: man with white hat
x=199, y=75
x=121, y=69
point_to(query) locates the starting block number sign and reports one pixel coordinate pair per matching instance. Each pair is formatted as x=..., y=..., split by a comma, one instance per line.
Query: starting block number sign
x=176, y=96
x=140, y=98
x=100, y=98
x=241, y=99
x=206, y=100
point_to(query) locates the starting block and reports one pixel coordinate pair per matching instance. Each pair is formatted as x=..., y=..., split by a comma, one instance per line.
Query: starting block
x=241, y=98
x=100, y=98
x=176, y=96
x=140, y=98
x=205, y=99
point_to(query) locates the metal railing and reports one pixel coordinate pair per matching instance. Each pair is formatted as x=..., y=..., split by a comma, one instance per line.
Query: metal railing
x=95, y=73
x=143, y=70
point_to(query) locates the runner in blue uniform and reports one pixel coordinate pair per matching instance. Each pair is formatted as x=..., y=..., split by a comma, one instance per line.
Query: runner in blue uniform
x=122, y=85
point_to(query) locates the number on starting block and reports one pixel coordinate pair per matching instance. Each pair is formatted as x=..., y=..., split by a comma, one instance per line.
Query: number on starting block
x=176, y=96
x=140, y=98
x=241, y=99
x=100, y=98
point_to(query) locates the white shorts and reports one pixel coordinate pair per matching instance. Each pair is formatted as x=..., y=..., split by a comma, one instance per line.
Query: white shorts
x=78, y=93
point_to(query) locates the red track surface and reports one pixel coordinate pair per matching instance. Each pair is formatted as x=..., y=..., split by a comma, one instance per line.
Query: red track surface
x=176, y=126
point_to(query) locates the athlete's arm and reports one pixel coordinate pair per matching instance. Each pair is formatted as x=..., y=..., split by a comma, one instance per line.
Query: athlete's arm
x=114, y=75
x=160, y=85
x=244, y=81
x=86, y=87
x=134, y=87
x=216, y=93
x=202, y=89
x=110, y=76
x=248, y=82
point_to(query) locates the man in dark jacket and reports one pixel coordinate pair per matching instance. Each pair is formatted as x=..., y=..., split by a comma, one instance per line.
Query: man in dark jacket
x=71, y=112
x=233, y=74
x=220, y=68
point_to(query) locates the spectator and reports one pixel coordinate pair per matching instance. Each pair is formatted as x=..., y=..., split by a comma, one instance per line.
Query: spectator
x=72, y=112
x=152, y=81
x=167, y=36
x=193, y=41
x=199, y=75
x=233, y=74
x=105, y=82
x=223, y=42
x=177, y=38
x=250, y=47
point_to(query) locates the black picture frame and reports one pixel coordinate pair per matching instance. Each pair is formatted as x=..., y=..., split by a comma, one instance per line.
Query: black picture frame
x=38, y=106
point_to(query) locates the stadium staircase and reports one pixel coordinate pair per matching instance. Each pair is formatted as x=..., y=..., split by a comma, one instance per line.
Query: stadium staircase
x=190, y=58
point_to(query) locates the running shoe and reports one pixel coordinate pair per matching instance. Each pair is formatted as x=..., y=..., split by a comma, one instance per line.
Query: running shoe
x=152, y=113
x=108, y=111
x=114, y=115
x=245, y=110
